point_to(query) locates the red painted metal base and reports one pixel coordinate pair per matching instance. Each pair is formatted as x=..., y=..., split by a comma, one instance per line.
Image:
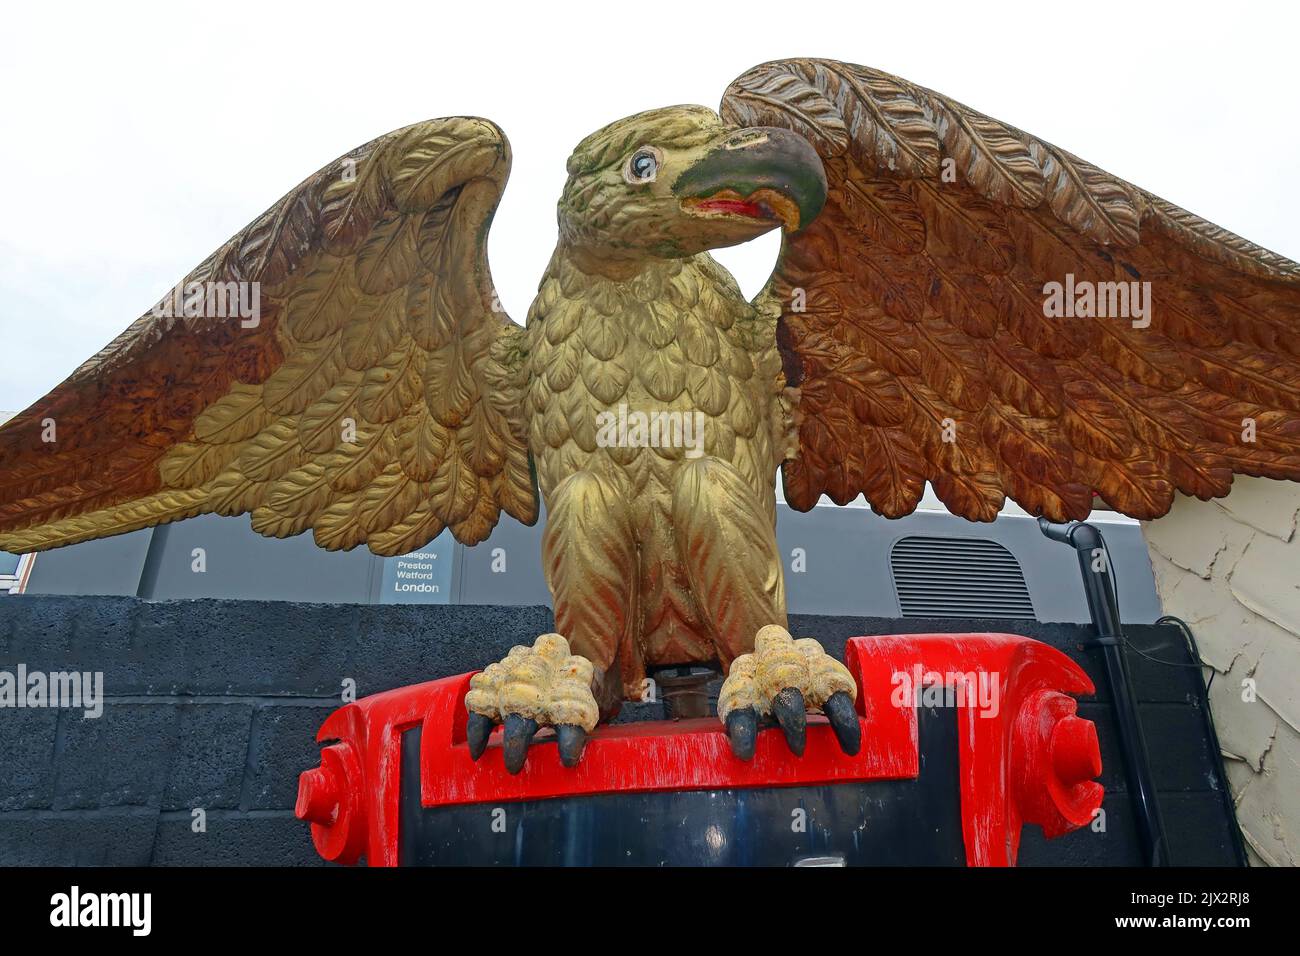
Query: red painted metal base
x=1025, y=755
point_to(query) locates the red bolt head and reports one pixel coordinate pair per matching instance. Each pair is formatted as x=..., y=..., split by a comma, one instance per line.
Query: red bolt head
x=318, y=798
x=1076, y=754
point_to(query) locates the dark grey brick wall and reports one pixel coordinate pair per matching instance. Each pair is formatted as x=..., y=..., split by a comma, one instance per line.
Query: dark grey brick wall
x=214, y=704
x=209, y=704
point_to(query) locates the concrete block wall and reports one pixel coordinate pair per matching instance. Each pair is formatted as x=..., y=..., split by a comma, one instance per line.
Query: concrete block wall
x=1231, y=569
x=210, y=705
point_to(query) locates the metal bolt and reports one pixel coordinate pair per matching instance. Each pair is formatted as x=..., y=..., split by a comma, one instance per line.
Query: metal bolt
x=318, y=796
x=1076, y=754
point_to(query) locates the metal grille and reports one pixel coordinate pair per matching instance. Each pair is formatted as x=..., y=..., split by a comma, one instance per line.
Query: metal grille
x=958, y=577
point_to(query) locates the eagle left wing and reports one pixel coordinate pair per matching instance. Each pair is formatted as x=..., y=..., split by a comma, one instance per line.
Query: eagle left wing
x=919, y=319
x=371, y=395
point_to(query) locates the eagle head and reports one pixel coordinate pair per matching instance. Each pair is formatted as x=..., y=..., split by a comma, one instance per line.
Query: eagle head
x=674, y=182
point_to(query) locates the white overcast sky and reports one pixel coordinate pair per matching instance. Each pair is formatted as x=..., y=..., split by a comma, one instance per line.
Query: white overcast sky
x=135, y=139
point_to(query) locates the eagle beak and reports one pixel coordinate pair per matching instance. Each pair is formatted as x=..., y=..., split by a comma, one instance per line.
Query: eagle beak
x=764, y=174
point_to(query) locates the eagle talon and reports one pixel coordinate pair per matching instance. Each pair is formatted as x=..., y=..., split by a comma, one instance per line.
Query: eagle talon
x=518, y=735
x=533, y=687
x=843, y=717
x=572, y=740
x=781, y=682
x=477, y=731
x=742, y=732
x=788, y=708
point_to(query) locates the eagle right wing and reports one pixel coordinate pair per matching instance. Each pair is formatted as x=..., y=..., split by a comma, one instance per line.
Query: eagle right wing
x=372, y=395
x=915, y=318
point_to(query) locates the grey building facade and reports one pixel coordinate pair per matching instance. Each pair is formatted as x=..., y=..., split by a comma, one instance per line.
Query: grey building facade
x=838, y=560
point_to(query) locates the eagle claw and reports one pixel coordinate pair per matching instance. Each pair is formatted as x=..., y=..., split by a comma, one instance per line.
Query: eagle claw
x=572, y=740
x=533, y=687
x=843, y=717
x=788, y=709
x=742, y=731
x=780, y=682
x=518, y=735
x=477, y=731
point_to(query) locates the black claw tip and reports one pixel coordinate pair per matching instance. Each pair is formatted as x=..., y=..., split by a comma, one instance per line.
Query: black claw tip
x=789, y=711
x=844, y=721
x=478, y=730
x=519, y=734
x=572, y=739
x=742, y=731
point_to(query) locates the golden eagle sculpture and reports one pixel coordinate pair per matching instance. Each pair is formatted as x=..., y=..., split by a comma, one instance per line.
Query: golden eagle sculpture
x=956, y=302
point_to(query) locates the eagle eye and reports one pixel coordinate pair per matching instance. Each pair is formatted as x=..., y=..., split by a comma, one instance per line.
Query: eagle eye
x=642, y=166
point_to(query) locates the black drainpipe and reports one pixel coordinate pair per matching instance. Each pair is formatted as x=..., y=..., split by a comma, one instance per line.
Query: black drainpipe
x=1103, y=606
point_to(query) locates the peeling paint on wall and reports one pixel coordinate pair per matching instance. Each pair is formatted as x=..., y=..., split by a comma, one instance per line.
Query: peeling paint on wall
x=1230, y=568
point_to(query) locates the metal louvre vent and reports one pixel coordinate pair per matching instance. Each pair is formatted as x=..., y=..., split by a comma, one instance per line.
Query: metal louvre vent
x=958, y=577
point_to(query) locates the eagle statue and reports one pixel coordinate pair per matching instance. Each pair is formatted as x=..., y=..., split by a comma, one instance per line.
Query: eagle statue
x=956, y=302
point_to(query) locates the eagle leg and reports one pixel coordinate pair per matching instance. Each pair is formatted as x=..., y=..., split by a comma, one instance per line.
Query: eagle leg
x=726, y=540
x=728, y=544
x=589, y=555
